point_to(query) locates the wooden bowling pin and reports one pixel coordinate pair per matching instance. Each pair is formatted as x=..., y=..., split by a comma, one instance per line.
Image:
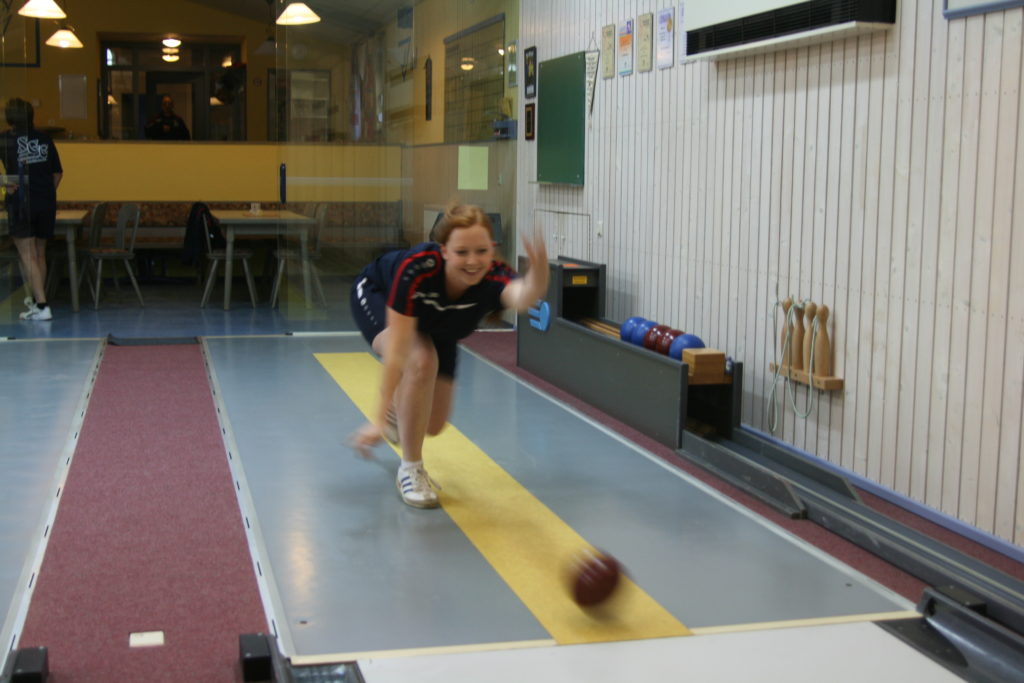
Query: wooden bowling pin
x=796, y=346
x=786, y=331
x=809, y=310
x=822, y=346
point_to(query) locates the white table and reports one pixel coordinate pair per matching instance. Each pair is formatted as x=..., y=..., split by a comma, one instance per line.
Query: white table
x=237, y=221
x=68, y=221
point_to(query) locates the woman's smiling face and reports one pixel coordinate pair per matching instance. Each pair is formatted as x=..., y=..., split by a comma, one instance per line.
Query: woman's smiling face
x=467, y=255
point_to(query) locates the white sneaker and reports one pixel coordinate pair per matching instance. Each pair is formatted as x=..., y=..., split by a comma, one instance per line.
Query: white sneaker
x=391, y=427
x=35, y=313
x=416, y=488
x=30, y=302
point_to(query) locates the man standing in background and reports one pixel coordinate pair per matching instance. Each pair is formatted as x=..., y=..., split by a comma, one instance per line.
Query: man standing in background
x=33, y=167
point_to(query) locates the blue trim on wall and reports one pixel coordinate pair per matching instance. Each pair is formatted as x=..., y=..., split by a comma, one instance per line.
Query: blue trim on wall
x=978, y=8
x=949, y=522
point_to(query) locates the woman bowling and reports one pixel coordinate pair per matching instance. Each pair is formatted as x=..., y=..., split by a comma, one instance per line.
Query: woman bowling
x=412, y=306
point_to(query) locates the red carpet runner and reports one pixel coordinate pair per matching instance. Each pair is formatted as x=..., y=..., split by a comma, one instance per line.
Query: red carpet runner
x=148, y=536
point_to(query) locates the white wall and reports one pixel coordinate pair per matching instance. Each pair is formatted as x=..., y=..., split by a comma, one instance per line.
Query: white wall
x=881, y=175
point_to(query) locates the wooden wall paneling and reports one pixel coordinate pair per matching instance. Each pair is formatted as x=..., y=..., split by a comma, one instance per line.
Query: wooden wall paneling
x=749, y=342
x=1010, y=484
x=843, y=343
x=818, y=421
x=784, y=224
x=958, y=462
x=888, y=275
x=1003, y=37
x=979, y=384
x=939, y=230
x=775, y=69
x=807, y=398
x=744, y=325
x=913, y=437
x=867, y=427
x=830, y=123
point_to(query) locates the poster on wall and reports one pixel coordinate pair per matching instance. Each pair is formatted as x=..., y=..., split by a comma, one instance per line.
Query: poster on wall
x=530, y=64
x=593, y=57
x=644, y=41
x=626, y=48
x=531, y=118
x=608, y=51
x=681, y=23
x=666, y=38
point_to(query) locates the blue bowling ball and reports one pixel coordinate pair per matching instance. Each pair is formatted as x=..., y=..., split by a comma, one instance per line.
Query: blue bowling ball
x=684, y=341
x=626, y=330
x=640, y=331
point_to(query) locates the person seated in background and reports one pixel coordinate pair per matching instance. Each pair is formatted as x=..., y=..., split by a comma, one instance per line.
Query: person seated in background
x=167, y=125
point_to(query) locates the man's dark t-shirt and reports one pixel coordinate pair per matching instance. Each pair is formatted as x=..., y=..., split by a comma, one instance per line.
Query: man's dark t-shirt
x=167, y=127
x=32, y=156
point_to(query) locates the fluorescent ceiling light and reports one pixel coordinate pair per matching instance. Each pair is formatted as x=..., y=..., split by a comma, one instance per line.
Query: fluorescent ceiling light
x=297, y=13
x=65, y=37
x=171, y=42
x=170, y=50
x=171, y=58
x=42, y=9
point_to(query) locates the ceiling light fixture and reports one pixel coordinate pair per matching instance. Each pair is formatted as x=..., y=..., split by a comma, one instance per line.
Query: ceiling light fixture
x=64, y=38
x=42, y=9
x=296, y=14
x=171, y=58
x=171, y=42
x=170, y=50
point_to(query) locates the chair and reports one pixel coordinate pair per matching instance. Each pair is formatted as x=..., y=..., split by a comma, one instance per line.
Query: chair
x=87, y=236
x=123, y=250
x=285, y=253
x=215, y=256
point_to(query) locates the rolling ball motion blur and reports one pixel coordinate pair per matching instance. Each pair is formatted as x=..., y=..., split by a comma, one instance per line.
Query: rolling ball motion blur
x=593, y=577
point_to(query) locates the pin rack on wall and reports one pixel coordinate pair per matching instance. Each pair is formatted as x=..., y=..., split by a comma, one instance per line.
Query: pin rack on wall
x=806, y=350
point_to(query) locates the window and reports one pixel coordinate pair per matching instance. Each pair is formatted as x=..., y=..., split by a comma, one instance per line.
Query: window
x=206, y=82
x=474, y=85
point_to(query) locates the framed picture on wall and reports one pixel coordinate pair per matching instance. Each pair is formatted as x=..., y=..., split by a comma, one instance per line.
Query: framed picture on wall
x=20, y=44
x=531, y=118
x=530, y=64
x=953, y=9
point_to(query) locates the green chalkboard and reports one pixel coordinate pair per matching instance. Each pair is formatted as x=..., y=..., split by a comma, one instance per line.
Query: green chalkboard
x=561, y=113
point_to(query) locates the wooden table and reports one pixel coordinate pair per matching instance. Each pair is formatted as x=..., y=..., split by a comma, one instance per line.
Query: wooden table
x=68, y=221
x=237, y=221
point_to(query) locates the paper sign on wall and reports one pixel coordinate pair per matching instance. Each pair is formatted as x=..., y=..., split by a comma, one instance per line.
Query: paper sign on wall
x=666, y=38
x=626, y=48
x=608, y=51
x=473, y=168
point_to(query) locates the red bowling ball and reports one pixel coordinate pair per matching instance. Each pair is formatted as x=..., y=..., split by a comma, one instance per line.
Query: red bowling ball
x=666, y=339
x=594, y=576
x=652, y=336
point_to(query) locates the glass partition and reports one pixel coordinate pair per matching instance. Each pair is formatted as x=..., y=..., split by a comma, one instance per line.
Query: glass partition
x=386, y=111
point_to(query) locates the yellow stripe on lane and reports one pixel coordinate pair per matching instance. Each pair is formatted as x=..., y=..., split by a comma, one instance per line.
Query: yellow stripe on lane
x=524, y=541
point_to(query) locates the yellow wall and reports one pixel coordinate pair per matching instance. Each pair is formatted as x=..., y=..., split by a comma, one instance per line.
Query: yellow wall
x=213, y=172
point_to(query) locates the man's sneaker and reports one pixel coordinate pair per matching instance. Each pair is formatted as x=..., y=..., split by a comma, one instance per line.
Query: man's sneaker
x=30, y=303
x=37, y=314
x=416, y=488
x=391, y=426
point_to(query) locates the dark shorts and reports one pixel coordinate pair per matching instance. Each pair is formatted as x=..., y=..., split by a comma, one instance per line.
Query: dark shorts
x=369, y=308
x=27, y=222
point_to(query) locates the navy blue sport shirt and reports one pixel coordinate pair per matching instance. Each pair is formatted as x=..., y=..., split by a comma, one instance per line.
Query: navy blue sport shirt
x=414, y=281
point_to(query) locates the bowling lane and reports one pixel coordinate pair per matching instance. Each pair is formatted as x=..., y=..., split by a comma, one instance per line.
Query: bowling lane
x=44, y=395
x=355, y=571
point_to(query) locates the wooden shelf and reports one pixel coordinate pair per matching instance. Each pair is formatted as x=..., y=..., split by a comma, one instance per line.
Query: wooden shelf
x=816, y=381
